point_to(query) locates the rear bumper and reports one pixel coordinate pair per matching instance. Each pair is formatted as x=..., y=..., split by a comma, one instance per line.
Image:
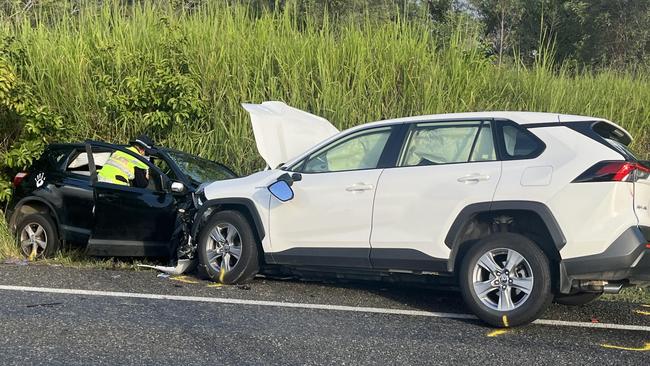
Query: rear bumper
x=626, y=260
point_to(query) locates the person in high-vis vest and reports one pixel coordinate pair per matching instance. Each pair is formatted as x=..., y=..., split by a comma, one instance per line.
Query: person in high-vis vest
x=124, y=169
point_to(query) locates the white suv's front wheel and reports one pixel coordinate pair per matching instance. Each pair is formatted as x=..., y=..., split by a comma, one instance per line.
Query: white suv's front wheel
x=228, y=249
x=505, y=279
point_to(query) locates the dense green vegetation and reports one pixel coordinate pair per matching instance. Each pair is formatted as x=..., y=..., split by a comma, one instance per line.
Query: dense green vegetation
x=178, y=70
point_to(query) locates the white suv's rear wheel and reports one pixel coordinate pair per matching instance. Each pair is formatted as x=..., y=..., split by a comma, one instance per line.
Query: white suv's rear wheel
x=505, y=279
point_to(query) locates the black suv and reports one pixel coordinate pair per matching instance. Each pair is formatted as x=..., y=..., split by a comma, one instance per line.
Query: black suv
x=59, y=199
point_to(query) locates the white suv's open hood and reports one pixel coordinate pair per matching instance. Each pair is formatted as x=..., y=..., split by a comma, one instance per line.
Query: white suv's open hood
x=282, y=132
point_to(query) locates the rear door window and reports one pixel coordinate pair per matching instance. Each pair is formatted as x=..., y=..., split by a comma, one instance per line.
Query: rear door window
x=437, y=143
x=78, y=162
x=519, y=143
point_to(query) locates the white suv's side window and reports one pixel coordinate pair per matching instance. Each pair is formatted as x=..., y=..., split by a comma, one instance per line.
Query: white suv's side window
x=445, y=143
x=358, y=151
x=519, y=144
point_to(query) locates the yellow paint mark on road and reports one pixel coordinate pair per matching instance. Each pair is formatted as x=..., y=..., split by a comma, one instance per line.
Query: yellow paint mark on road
x=498, y=332
x=215, y=285
x=640, y=349
x=183, y=279
x=640, y=312
x=505, y=321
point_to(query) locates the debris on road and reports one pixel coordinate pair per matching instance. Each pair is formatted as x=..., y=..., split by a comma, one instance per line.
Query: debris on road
x=162, y=275
x=180, y=268
x=243, y=287
x=17, y=261
x=641, y=312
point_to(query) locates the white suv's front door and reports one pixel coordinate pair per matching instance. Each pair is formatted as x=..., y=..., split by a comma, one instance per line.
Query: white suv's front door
x=443, y=167
x=329, y=219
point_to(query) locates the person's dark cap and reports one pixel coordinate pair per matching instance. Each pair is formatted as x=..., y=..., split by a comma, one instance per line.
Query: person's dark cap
x=144, y=142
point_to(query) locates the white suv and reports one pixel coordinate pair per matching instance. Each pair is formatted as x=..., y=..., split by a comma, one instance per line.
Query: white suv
x=517, y=208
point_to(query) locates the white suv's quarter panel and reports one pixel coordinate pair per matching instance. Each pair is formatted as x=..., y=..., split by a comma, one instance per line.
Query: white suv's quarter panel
x=591, y=215
x=416, y=206
x=329, y=210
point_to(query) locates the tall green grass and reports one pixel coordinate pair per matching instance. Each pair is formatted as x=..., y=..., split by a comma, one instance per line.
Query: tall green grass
x=350, y=73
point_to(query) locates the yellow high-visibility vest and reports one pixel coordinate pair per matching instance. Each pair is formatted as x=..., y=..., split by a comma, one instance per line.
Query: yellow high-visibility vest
x=122, y=165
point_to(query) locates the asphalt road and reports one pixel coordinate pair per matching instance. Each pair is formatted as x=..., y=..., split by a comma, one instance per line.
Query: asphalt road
x=187, y=321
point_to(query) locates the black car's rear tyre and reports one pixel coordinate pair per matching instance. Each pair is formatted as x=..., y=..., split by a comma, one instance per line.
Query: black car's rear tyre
x=505, y=280
x=579, y=299
x=37, y=237
x=228, y=249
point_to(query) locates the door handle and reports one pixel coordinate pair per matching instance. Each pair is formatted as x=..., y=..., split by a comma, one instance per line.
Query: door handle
x=473, y=178
x=359, y=187
x=108, y=196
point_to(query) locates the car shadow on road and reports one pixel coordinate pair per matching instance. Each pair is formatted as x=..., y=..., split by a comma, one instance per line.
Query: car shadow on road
x=429, y=298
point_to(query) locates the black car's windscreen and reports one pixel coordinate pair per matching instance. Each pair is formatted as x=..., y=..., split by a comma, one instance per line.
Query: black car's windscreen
x=200, y=170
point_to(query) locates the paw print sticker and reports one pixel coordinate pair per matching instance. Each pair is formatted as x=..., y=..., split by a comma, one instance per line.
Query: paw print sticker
x=40, y=179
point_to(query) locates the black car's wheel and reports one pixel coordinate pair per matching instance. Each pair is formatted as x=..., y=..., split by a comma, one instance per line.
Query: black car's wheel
x=579, y=299
x=505, y=279
x=228, y=249
x=37, y=237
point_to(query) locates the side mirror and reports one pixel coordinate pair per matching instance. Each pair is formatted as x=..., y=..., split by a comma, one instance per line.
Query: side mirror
x=290, y=178
x=177, y=187
x=281, y=190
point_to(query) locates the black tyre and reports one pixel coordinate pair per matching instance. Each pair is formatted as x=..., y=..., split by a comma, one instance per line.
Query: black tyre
x=228, y=249
x=579, y=299
x=37, y=237
x=505, y=280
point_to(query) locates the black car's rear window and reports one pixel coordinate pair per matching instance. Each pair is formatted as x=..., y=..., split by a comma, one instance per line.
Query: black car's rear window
x=53, y=158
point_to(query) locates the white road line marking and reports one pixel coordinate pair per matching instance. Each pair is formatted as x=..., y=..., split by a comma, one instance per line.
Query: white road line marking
x=357, y=309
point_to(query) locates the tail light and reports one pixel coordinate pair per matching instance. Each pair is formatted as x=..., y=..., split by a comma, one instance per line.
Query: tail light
x=18, y=179
x=614, y=171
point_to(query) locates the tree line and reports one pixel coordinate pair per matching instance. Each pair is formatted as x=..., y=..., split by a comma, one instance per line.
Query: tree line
x=586, y=33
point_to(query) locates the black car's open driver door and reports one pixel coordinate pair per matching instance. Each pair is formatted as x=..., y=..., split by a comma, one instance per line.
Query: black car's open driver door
x=130, y=221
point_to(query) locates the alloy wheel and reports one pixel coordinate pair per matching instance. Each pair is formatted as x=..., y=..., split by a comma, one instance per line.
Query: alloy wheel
x=33, y=240
x=224, y=247
x=502, y=279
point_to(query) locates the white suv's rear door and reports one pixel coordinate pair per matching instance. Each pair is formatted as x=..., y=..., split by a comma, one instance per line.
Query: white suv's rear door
x=443, y=167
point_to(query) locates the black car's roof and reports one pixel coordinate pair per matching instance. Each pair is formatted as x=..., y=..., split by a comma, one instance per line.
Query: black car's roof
x=81, y=145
